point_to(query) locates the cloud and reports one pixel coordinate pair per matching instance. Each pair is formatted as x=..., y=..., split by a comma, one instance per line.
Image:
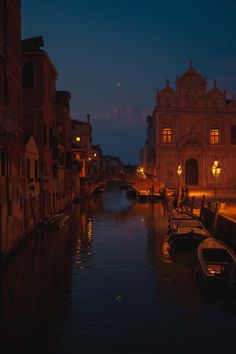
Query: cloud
x=126, y=116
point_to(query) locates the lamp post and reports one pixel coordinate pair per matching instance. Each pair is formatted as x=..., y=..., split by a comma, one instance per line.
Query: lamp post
x=179, y=173
x=216, y=172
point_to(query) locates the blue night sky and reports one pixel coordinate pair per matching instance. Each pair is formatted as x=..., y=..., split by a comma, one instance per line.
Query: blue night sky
x=113, y=56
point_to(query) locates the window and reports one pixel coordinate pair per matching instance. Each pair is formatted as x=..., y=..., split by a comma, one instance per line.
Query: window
x=36, y=168
x=45, y=172
x=166, y=135
x=28, y=168
x=78, y=138
x=50, y=137
x=214, y=135
x=233, y=134
x=28, y=75
x=45, y=135
x=54, y=170
x=3, y=162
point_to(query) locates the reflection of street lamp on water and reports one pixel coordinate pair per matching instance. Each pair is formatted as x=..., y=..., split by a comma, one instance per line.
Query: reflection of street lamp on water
x=216, y=172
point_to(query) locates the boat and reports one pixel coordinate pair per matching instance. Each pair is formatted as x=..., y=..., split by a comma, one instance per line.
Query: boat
x=186, y=234
x=177, y=214
x=216, y=262
x=57, y=220
x=142, y=195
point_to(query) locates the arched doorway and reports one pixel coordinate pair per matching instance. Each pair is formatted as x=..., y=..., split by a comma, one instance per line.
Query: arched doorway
x=191, y=172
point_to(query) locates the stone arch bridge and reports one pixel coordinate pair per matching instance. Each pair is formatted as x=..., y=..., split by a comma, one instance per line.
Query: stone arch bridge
x=89, y=184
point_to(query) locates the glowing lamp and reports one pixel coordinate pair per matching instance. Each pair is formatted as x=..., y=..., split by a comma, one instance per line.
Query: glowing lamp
x=179, y=171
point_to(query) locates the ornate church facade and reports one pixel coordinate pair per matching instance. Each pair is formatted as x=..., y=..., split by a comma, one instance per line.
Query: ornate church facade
x=191, y=127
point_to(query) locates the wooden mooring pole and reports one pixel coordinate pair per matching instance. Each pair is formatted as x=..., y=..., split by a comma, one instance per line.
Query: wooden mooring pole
x=202, y=206
x=192, y=204
x=216, y=213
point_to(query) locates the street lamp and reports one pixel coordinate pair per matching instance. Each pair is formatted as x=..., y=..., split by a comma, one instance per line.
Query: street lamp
x=216, y=172
x=140, y=170
x=179, y=173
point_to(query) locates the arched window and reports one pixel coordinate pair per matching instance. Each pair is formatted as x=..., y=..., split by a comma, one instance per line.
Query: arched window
x=28, y=75
x=233, y=134
x=166, y=134
x=214, y=135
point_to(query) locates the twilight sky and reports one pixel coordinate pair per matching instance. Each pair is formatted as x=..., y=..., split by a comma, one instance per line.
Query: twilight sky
x=113, y=55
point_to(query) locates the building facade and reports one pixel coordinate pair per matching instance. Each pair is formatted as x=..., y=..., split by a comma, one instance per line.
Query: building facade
x=39, y=117
x=191, y=127
x=11, y=134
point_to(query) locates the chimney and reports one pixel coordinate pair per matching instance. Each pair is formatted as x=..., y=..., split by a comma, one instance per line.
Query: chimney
x=88, y=118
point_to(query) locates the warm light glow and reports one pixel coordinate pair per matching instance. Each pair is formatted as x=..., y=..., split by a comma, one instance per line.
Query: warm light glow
x=214, y=136
x=89, y=158
x=216, y=169
x=78, y=138
x=166, y=135
x=140, y=169
x=95, y=154
x=179, y=171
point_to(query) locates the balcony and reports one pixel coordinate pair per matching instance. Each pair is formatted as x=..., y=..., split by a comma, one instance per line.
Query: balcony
x=8, y=125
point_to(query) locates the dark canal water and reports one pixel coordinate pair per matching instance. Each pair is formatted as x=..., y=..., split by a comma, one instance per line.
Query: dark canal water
x=107, y=284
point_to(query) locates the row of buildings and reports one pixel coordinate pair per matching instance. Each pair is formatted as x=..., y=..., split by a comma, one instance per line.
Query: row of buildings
x=191, y=127
x=43, y=152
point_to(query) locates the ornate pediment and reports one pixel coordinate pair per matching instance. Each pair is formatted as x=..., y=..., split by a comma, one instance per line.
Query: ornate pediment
x=192, y=140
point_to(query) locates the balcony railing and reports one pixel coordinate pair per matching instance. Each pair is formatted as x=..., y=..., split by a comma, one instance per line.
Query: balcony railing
x=8, y=124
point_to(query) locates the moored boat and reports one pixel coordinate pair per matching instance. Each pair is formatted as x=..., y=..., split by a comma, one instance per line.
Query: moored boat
x=186, y=234
x=56, y=220
x=177, y=214
x=142, y=195
x=217, y=262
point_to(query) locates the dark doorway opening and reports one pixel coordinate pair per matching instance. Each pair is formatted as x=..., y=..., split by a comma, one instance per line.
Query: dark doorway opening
x=191, y=172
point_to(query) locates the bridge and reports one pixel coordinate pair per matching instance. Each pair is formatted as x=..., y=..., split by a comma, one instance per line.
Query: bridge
x=89, y=184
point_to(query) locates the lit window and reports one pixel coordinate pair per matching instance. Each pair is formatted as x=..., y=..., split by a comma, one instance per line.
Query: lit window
x=166, y=135
x=78, y=138
x=214, y=136
x=95, y=154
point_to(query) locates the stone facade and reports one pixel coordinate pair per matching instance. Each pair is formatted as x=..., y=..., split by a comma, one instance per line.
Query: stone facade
x=191, y=126
x=11, y=136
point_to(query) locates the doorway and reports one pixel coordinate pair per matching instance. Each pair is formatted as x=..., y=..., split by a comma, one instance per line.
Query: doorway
x=191, y=172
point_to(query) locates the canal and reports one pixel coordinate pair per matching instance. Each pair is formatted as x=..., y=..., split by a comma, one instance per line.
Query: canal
x=106, y=283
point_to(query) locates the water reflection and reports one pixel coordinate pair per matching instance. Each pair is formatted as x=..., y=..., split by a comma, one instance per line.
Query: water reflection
x=108, y=283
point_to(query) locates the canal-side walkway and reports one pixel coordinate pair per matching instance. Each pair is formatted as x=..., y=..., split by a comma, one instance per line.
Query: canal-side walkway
x=227, y=197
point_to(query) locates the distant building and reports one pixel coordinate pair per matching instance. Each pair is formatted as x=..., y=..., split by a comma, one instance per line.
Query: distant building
x=111, y=164
x=85, y=156
x=68, y=183
x=191, y=127
x=95, y=159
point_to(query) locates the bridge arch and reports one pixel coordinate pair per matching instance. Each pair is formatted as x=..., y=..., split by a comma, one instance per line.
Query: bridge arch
x=90, y=184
